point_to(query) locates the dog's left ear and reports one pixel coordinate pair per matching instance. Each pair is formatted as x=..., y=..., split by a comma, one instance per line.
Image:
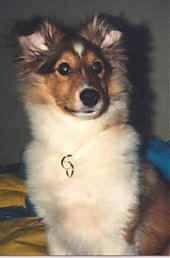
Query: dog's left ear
x=101, y=33
x=37, y=35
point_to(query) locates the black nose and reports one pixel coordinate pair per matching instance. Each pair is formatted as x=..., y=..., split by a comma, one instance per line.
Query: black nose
x=89, y=97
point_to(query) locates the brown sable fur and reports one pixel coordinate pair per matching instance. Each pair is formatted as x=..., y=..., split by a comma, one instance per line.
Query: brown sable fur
x=149, y=228
x=95, y=32
x=153, y=232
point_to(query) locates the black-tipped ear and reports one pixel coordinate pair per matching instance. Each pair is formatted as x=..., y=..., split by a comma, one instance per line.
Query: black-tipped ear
x=101, y=33
x=37, y=35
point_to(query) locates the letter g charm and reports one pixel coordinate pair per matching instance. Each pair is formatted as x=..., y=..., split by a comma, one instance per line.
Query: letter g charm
x=67, y=164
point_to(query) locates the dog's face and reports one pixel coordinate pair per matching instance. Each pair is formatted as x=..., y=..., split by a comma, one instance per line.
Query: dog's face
x=78, y=77
x=77, y=72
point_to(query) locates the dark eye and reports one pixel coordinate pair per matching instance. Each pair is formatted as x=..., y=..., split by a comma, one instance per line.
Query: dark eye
x=64, y=69
x=97, y=67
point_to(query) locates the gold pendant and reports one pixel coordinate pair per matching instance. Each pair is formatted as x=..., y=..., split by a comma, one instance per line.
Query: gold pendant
x=67, y=164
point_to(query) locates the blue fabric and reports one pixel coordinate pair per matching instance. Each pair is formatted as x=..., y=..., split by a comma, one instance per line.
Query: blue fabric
x=28, y=202
x=9, y=168
x=30, y=207
x=158, y=153
x=13, y=212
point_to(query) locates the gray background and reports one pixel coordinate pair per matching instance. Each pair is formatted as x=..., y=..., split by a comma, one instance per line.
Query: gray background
x=153, y=14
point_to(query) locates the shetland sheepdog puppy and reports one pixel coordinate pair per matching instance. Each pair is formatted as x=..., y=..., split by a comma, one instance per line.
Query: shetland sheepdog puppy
x=83, y=172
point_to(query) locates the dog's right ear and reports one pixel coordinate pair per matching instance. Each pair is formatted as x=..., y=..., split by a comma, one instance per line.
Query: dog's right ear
x=102, y=33
x=37, y=36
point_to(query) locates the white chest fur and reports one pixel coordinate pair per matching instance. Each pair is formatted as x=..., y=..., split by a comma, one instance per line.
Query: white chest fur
x=85, y=214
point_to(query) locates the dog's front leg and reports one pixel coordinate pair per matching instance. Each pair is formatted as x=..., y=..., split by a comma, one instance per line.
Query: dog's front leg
x=54, y=245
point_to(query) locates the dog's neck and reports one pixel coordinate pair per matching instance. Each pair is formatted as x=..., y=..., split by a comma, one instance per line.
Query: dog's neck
x=87, y=142
x=61, y=132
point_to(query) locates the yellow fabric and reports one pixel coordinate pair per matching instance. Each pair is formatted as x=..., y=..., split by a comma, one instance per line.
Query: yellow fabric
x=22, y=236
x=12, y=191
x=19, y=236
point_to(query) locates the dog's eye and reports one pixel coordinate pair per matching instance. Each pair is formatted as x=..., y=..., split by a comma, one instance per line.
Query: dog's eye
x=64, y=69
x=97, y=67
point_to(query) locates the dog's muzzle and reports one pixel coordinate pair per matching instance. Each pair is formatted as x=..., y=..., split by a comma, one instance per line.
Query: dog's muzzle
x=91, y=104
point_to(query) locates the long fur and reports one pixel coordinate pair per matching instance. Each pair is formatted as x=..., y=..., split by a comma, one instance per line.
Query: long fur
x=96, y=211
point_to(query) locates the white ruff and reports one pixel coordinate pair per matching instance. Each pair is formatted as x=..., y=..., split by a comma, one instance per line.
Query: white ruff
x=85, y=214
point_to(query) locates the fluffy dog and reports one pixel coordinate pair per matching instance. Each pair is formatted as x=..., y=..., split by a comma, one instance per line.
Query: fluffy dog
x=84, y=175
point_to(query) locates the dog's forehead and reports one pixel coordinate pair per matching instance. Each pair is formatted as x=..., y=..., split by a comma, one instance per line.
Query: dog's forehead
x=79, y=45
x=85, y=51
x=78, y=48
